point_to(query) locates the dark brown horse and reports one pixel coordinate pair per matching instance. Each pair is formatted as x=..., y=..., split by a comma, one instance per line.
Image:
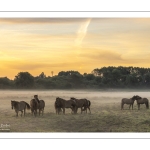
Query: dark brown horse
x=62, y=103
x=128, y=101
x=57, y=108
x=80, y=103
x=41, y=104
x=88, y=106
x=34, y=106
x=141, y=100
x=20, y=106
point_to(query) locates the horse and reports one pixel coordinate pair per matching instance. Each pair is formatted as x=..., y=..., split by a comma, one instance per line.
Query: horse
x=88, y=106
x=57, y=108
x=62, y=103
x=141, y=100
x=127, y=101
x=41, y=104
x=20, y=106
x=34, y=106
x=80, y=103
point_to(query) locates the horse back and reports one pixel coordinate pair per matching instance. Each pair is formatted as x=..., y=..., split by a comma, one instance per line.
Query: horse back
x=127, y=101
x=21, y=105
x=41, y=104
x=82, y=102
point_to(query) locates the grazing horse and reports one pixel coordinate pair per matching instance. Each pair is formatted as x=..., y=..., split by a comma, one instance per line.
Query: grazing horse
x=41, y=104
x=62, y=103
x=141, y=100
x=20, y=106
x=80, y=103
x=127, y=101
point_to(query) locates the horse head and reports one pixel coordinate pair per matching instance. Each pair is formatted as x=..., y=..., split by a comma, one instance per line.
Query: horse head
x=138, y=97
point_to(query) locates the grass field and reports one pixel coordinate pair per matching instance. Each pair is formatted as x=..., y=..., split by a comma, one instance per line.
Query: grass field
x=106, y=114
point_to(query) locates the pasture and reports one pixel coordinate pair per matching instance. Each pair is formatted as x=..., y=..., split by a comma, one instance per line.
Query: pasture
x=106, y=114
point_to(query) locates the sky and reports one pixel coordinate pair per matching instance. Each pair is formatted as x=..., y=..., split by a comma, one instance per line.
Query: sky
x=44, y=45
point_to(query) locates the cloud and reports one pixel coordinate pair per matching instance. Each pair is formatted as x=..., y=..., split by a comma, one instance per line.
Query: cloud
x=81, y=33
x=100, y=55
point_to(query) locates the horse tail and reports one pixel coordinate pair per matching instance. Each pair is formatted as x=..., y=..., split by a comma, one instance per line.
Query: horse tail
x=28, y=106
x=89, y=103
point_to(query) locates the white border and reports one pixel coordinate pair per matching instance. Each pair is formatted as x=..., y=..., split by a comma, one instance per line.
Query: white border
x=74, y=14
x=96, y=135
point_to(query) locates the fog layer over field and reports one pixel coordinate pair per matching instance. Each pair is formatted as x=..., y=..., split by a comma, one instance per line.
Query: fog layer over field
x=49, y=96
x=106, y=114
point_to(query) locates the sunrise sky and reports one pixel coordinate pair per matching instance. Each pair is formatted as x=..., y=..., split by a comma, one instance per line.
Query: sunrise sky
x=82, y=44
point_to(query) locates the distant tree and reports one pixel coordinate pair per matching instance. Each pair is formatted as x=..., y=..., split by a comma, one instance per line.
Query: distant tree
x=24, y=80
x=6, y=83
x=42, y=75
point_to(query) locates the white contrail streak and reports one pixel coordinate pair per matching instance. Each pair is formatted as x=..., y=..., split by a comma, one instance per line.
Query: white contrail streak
x=81, y=33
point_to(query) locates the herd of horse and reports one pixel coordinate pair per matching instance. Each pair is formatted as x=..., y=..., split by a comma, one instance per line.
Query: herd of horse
x=138, y=99
x=73, y=103
x=35, y=105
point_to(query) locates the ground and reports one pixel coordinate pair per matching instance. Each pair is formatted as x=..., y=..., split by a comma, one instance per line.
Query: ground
x=106, y=114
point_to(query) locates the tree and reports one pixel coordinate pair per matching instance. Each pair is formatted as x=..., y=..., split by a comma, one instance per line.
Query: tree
x=42, y=75
x=24, y=80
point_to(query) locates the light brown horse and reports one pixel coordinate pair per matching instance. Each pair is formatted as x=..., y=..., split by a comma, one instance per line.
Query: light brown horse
x=128, y=101
x=20, y=106
x=80, y=103
x=141, y=100
x=62, y=103
x=41, y=104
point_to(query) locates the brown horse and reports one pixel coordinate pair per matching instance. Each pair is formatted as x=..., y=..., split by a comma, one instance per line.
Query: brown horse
x=127, y=101
x=57, y=108
x=88, y=106
x=80, y=103
x=41, y=104
x=62, y=103
x=20, y=106
x=34, y=106
x=141, y=100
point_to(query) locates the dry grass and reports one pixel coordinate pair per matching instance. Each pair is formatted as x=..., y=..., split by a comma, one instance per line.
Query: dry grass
x=106, y=113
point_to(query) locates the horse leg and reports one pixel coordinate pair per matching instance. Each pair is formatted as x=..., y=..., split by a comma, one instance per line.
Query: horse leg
x=146, y=104
x=24, y=111
x=21, y=112
x=122, y=106
x=16, y=113
x=35, y=112
x=32, y=111
x=86, y=110
x=39, y=112
x=138, y=106
x=129, y=106
x=89, y=110
x=63, y=110
x=42, y=111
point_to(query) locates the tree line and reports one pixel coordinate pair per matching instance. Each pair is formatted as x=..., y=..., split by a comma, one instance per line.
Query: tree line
x=99, y=78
